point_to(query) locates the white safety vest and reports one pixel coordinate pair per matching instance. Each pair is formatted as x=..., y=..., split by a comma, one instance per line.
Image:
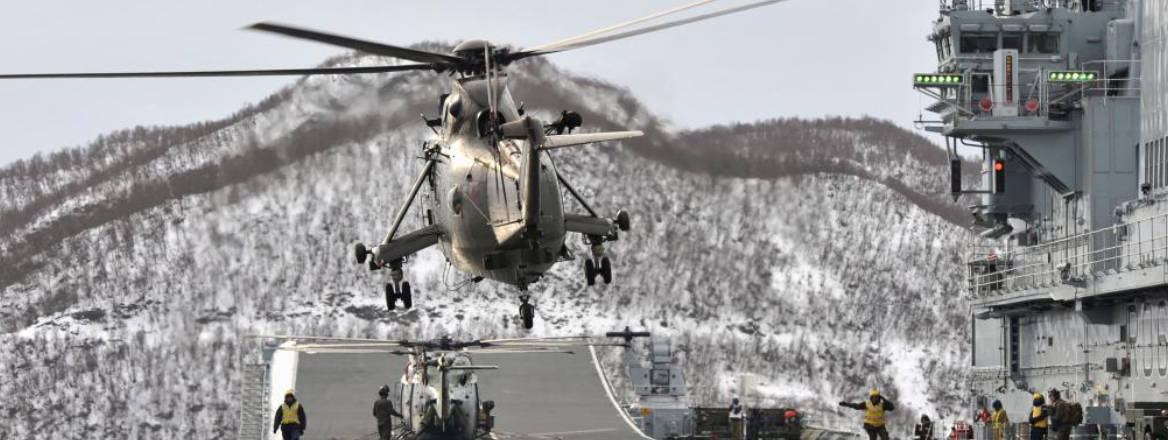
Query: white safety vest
x=736, y=412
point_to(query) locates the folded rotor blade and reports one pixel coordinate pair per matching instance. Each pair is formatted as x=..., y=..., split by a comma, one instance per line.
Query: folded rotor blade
x=641, y=31
x=328, y=338
x=553, y=45
x=311, y=350
x=345, y=348
x=358, y=345
x=554, y=345
x=553, y=338
x=225, y=73
x=420, y=56
x=475, y=367
x=518, y=351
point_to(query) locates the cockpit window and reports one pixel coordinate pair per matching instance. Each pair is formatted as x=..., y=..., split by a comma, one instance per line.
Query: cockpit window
x=483, y=119
x=451, y=112
x=979, y=42
x=1012, y=40
x=1044, y=42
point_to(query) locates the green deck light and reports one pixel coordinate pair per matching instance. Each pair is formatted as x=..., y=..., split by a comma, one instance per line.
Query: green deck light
x=935, y=80
x=1072, y=77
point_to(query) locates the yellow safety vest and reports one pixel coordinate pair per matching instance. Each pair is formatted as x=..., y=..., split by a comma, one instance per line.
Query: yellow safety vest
x=1037, y=412
x=290, y=414
x=874, y=415
x=999, y=419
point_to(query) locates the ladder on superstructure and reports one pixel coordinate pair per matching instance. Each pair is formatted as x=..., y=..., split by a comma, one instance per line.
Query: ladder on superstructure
x=253, y=401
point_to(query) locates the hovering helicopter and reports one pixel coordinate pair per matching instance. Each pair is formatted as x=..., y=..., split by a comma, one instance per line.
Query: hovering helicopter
x=439, y=393
x=497, y=210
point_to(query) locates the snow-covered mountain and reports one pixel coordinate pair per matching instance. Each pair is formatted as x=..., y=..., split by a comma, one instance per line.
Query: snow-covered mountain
x=821, y=256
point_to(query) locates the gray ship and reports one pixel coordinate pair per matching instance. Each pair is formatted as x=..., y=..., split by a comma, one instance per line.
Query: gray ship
x=1066, y=102
x=662, y=411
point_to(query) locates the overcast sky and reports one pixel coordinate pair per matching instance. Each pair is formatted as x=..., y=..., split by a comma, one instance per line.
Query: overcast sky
x=806, y=58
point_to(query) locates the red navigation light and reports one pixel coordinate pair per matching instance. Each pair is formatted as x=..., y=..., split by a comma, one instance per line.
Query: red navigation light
x=1032, y=105
x=999, y=176
x=987, y=104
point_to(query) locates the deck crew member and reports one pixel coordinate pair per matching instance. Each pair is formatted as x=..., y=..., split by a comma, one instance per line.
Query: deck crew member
x=1060, y=415
x=384, y=412
x=983, y=414
x=924, y=431
x=1000, y=420
x=1039, y=418
x=290, y=418
x=737, y=414
x=875, y=410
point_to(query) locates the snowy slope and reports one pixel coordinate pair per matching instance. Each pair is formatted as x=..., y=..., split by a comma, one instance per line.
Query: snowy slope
x=820, y=256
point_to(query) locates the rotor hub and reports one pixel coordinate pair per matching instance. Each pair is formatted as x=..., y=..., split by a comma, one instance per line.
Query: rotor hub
x=473, y=53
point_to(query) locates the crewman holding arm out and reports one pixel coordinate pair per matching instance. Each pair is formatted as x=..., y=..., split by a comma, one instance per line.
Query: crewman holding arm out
x=290, y=418
x=384, y=412
x=875, y=410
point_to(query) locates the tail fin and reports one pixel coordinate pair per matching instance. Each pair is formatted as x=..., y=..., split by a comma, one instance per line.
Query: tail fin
x=529, y=176
x=530, y=170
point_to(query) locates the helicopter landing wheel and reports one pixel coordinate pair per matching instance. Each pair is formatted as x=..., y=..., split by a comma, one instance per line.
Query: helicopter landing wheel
x=526, y=313
x=590, y=272
x=360, y=252
x=390, y=297
x=407, y=297
x=606, y=270
x=622, y=220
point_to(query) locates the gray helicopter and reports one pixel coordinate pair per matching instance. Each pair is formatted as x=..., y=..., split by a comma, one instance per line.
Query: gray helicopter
x=496, y=209
x=439, y=392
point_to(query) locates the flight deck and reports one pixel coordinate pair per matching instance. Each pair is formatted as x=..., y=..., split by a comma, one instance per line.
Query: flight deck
x=537, y=396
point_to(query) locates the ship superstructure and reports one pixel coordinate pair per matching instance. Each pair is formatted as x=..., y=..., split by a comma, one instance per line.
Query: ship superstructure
x=1066, y=101
x=661, y=410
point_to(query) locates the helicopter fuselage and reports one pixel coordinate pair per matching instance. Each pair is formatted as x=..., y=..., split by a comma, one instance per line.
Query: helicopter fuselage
x=451, y=397
x=495, y=208
x=477, y=191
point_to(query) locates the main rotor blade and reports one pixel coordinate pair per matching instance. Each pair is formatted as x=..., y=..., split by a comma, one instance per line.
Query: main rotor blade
x=553, y=345
x=551, y=46
x=329, y=338
x=225, y=73
x=551, y=338
x=355, y=345
x=420, y=56
x=633, y=33
x=515, y=351
x=311, y=350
